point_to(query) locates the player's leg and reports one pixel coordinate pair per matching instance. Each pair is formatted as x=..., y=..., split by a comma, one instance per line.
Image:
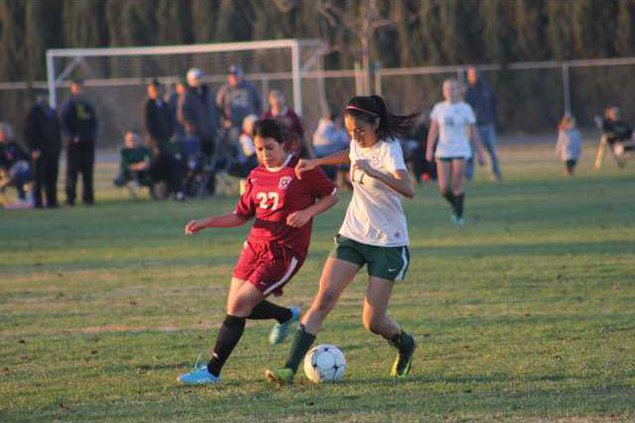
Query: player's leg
x=444, y=168
x=387, y=265
x=336, y=276
x=457, y=188
x=242, y=297
x=488, y=137
x=87, y=169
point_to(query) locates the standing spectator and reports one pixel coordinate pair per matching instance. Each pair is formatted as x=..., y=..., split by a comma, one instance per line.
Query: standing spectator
x=14, y=162
x=569, y=145
x=291, y=123
x=180, y=88
x=158, y=119
x=44, y=138
x=453, y=121
x=237, y=99
x=482, y=98
x=197, y=112
x=79, y=122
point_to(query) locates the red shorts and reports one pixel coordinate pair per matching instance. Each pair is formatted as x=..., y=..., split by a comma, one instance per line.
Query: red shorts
x=267, y=266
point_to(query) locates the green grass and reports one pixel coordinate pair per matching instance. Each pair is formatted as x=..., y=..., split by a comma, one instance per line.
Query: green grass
x=526, y=313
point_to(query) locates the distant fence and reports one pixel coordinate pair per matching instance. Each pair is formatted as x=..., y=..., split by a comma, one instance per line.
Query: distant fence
x=532, y=95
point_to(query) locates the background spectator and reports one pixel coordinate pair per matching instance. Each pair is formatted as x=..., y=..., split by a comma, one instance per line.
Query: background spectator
x=179, y=91
x=328, y=138
x=482, y=98
x=158, y=117
x=14, y=162
x=44, y=139
x=79, y=122
x=135, y=160
x=237, y=98
x=569, y=144
x=197, y=112
x=291, y=123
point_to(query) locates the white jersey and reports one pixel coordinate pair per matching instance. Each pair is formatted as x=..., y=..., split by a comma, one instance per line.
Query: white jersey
x=375, y=215
x=453, y=120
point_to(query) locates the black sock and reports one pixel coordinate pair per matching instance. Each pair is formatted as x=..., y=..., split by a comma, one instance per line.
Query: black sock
x=228, y=336
x=300, y=345
x=459, y=200
x=267, y=310
x=449, y=196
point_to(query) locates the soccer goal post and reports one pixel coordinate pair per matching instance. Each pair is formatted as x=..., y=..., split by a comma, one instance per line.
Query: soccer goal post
x=115, y=77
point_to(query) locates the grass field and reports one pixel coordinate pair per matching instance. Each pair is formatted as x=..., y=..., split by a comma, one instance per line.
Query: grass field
x=526, y=313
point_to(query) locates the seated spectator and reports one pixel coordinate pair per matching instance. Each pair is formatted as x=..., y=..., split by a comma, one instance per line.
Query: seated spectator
x=330, y=137
x=569, y=144
x=135, y=162
x=15, y=169
x=618, y=134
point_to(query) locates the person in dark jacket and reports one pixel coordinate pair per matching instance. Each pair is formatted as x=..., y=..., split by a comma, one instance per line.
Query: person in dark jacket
x=158, y=118
x=44, y=139
x=14, y=162
x=197, y=112
x=482, y=98
x=79, y=123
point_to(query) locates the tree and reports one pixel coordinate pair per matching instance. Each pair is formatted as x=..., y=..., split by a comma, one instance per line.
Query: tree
x=11, y=47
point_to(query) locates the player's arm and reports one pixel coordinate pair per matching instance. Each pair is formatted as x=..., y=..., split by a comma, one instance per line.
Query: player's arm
x=476, y=140
x=432, y=140
x=398, y=180
x=302, y=217
x=339, y=158
x=229, y=220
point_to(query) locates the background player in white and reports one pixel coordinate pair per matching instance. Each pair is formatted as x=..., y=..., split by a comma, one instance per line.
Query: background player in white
x=453, y=121
x=374, y=232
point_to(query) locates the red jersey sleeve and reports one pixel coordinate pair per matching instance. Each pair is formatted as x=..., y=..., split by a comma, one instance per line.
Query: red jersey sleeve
x=317, y=183
x=246, y=207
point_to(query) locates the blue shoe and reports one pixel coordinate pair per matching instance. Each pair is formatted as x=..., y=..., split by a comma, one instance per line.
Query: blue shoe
x=281, y=330
x=199, y=376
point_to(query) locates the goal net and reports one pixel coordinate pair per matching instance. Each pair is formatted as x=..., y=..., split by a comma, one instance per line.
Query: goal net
x=115, y=79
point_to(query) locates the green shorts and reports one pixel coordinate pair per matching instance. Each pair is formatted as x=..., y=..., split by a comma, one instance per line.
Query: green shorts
x=389, y=263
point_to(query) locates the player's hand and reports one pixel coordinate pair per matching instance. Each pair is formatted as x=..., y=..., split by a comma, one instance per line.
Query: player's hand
x=364, y=166
x=298, y=219
x=304, y=165
x=193, y=227
x=429, y=157
x=35, y=154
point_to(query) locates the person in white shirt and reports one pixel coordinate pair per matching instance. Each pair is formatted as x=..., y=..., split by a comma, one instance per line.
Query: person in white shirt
x=374, y=232
x=453, y=122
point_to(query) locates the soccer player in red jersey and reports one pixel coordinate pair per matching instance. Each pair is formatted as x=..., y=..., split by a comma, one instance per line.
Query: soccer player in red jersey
x=282, y=207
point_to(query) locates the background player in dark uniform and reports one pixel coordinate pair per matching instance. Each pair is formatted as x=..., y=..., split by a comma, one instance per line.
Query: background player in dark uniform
x=283, y=207
x=79, y=123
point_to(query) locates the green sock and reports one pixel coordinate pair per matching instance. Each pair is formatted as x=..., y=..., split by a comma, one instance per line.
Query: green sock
x=301, y=343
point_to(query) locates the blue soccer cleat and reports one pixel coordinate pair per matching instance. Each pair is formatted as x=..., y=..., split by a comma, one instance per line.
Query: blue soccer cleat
x=199, y=376
x=280, y=331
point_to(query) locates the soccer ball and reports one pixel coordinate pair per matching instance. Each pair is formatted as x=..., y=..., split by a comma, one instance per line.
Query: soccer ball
x=325, y=363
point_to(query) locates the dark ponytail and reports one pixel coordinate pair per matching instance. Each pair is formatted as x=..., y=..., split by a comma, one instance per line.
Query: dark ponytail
x=370, y=108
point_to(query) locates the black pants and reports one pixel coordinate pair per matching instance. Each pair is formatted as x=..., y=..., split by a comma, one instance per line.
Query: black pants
x=166, y=168
x=46, y=169
x=80, y=159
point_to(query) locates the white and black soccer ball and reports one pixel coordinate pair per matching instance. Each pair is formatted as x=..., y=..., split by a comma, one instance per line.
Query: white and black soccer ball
x=325, y=363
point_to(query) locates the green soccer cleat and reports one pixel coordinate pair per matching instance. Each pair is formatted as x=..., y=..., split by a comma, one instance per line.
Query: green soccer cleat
x=282, y=376
x=401, y=366
x=280, y=331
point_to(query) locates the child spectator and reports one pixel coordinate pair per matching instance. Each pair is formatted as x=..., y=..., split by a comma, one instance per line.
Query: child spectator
x=569, y=144
x=330, y=137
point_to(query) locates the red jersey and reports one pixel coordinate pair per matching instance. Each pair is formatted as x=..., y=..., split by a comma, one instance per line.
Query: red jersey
x=270, y=196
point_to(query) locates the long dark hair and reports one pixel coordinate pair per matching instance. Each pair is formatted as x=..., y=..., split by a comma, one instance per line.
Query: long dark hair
x=269, y=128
x=370, y=108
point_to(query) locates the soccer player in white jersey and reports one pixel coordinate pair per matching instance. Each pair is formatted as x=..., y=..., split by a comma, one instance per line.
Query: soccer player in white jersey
x=374, y=232
x=453, y=121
